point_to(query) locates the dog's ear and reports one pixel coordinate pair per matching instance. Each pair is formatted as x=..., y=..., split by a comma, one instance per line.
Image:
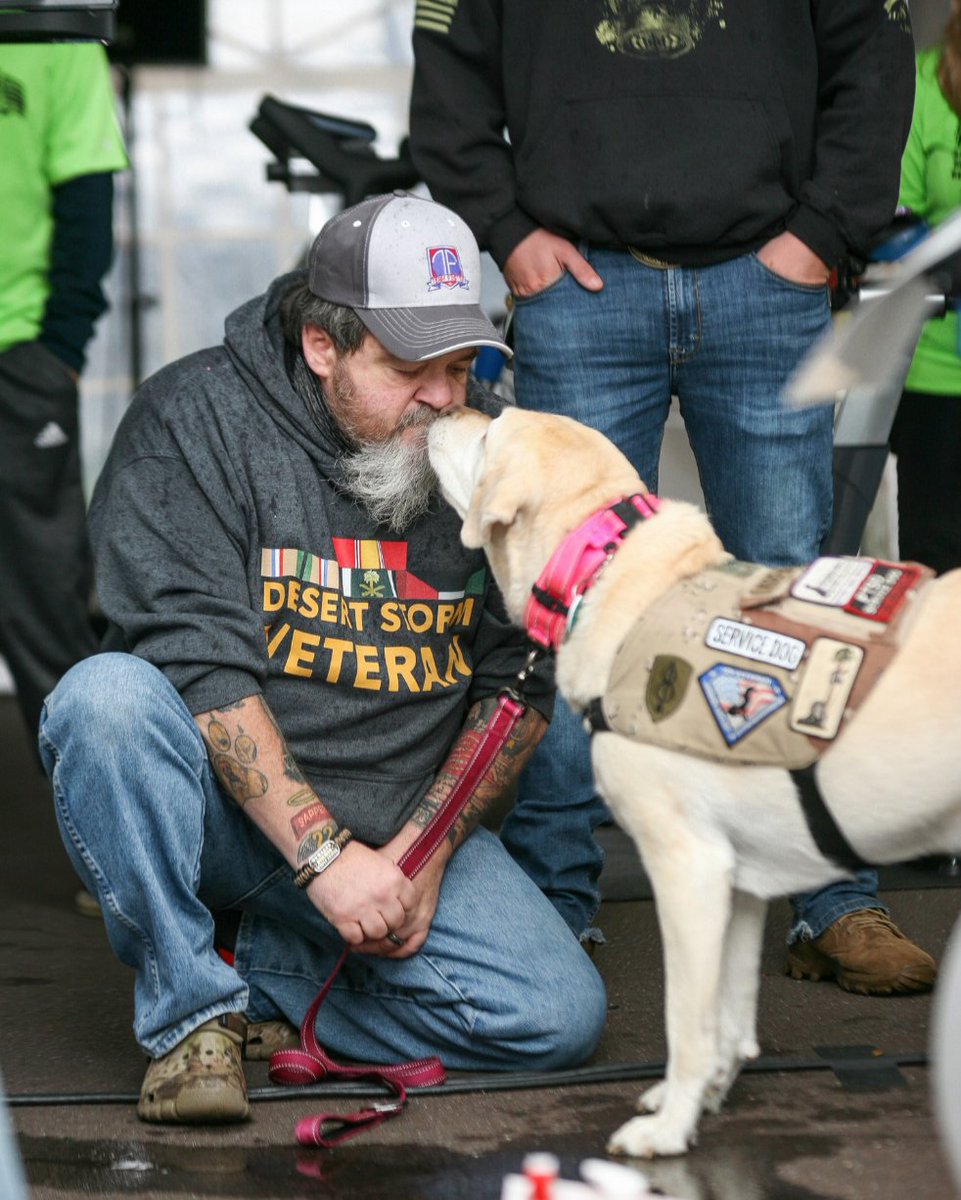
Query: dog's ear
x=494, y=502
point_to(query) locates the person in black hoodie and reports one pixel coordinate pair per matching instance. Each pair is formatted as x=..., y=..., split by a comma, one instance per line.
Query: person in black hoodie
x=301, y=658
x=676, y=184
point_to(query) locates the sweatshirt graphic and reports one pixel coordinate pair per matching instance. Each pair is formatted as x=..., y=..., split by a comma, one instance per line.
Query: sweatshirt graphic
x=362, y=620
x=657, y=30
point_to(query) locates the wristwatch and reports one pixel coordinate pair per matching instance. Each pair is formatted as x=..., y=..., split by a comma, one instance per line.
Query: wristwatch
x=325, y=854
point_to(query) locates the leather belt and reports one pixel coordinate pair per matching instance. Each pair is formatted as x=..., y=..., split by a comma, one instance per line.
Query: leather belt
x=649, y=260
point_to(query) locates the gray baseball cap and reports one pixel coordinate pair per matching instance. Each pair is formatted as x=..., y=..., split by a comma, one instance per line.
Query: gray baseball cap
x=410, y=269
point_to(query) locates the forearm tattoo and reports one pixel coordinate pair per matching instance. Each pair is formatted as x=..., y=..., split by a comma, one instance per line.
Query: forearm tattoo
x=291, y=770
x=314, y=814
x=239, y=762
x=500, y=775
x=233, y=760
x=315, y=839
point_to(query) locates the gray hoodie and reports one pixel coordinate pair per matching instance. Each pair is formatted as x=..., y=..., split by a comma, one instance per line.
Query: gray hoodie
x=226, y=557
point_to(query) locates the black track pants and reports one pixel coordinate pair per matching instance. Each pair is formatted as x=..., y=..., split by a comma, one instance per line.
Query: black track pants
x=45, y=563
x=926, y=438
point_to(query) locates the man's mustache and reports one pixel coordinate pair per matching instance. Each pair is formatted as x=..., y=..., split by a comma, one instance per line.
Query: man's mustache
x=421, y=415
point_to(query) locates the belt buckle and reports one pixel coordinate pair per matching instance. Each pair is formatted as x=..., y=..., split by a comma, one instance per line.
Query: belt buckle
x=649, y=260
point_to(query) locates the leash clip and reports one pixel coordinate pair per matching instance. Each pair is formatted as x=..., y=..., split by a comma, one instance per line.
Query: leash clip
x=387, y=1106
x=526, y=671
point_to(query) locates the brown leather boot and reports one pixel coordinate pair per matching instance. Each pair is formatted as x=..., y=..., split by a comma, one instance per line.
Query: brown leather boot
x=865, y=952
x=201, y=1080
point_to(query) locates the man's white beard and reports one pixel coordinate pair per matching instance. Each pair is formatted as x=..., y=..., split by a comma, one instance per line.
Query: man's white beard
x=392, y=479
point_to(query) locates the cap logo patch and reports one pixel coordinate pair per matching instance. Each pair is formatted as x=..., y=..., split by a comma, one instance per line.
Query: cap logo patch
x=446, y=269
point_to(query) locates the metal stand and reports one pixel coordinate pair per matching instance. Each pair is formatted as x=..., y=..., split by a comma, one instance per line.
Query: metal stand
x=57, y=21
x=340, y=151
x=870, y=403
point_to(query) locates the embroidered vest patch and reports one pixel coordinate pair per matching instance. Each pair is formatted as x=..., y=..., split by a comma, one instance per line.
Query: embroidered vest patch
x=761, y=666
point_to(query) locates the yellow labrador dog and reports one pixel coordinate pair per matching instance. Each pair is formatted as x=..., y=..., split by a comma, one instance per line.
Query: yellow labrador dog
x=892, y=783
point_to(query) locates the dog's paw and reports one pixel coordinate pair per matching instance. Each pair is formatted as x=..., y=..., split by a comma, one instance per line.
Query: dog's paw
x=651, y=1099
x=647, y=1137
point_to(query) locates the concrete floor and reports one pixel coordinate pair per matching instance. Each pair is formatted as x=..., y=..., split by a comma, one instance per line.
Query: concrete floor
x=796, y=1128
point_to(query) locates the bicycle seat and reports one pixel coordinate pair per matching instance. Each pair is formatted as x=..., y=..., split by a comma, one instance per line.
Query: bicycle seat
x=341, y=150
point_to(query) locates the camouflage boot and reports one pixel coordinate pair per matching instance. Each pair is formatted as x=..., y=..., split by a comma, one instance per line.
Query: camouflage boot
x=266, y=1037
x=201, y=1081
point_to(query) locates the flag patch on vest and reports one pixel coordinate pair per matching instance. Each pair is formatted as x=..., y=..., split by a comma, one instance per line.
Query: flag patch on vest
x=822, y=695
x=740, y=700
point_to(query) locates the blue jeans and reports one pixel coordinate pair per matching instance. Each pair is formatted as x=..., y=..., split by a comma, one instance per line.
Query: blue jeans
x=499, y=984
x=723, y=339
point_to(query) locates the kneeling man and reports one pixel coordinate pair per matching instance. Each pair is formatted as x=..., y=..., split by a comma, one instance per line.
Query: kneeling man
x=301, y=657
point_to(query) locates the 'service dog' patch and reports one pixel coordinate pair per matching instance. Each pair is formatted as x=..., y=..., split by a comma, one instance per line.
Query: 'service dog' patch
x=751, y=641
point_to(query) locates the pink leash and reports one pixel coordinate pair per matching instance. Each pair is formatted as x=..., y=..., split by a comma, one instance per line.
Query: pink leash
x=311, y=1063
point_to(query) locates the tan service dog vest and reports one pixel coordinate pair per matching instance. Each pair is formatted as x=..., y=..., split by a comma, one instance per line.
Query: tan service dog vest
x=761, y=666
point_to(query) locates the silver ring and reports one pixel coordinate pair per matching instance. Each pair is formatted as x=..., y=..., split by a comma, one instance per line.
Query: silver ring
x=392, y=937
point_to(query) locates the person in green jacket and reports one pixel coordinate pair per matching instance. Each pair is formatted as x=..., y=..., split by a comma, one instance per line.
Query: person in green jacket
x=926, y=436
x=60, y=143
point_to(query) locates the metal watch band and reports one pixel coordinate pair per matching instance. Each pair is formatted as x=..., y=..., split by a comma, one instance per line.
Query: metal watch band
x=325, y=854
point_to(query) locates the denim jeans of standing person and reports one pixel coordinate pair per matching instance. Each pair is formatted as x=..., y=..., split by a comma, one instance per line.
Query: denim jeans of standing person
x=723, y=339
x=499, y=984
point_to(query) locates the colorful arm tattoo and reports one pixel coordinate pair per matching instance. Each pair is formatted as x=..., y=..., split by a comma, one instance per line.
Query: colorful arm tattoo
x=500, y=776
x=233, y=760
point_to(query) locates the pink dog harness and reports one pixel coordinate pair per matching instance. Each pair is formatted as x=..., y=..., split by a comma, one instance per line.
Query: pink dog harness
x=574, y=566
